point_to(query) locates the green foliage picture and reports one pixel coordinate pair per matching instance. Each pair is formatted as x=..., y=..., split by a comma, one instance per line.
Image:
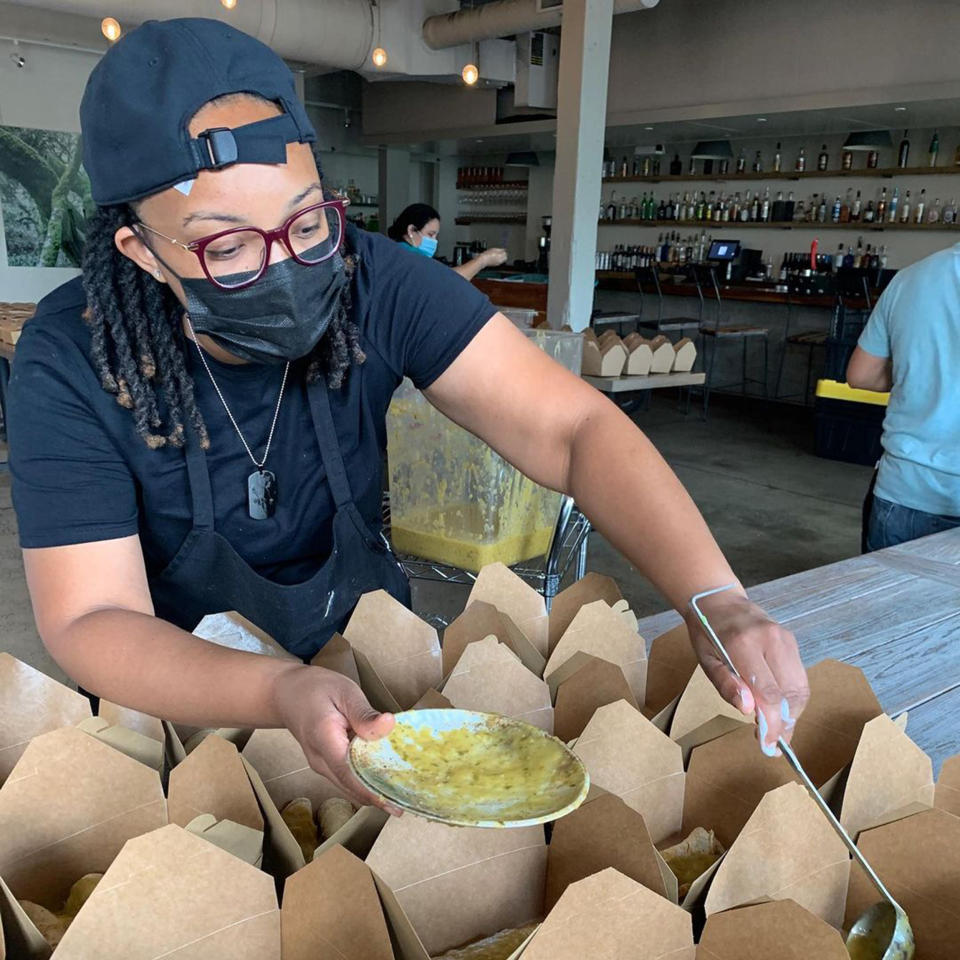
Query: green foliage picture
x=45, y=197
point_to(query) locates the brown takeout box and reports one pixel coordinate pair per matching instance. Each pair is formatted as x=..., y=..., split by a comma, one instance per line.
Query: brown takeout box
x=626, y=755
x=947, y=796
x=489, y=677
x=456, y=884
x=601, y=631
x=702, y=714
x=498, y=585
x=566, y=604
x=670, y=665
x=889, y=778
x=774, y=930
x=331, y=909
x=171, y=894
x=610, y=915
x=593, y=684
x=481, y=620
x=918, y=859
x=32, y=703
x=787, y=850
x=67, y=808
x=397, y=654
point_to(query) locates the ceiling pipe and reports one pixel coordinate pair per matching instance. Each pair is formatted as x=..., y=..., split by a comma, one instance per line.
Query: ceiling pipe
x=339, y=34
x=504, y=18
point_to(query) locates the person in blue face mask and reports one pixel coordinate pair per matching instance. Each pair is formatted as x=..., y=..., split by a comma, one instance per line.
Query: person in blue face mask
x=417, y=228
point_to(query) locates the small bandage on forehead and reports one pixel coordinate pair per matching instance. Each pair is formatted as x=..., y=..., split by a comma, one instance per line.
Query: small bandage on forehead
x=184, y=186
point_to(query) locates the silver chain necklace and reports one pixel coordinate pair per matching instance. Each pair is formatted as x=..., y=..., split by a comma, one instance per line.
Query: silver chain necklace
x=262, y=484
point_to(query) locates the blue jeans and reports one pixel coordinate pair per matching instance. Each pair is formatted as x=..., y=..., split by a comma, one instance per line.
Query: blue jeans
x=890, y=524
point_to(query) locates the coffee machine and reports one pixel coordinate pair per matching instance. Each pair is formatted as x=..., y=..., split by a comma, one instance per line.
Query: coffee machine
x=543, y=245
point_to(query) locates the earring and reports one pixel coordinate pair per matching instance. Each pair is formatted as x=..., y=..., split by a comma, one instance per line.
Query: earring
x=158, y=274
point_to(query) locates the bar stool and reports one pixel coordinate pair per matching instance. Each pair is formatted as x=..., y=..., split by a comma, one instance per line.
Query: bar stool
x=650, y=276
x=808, y=340
x=705, y=277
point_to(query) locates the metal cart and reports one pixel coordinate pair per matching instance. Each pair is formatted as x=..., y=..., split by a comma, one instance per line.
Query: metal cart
x=568, y=548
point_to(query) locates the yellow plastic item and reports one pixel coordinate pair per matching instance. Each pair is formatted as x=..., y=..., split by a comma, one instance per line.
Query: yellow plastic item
x=834, y=390
x=452, y=499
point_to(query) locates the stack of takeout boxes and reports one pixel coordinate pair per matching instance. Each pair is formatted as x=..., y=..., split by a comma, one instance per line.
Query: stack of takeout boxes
x=197, y=860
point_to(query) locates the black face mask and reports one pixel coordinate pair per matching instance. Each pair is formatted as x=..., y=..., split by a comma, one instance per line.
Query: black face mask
x=281, y=317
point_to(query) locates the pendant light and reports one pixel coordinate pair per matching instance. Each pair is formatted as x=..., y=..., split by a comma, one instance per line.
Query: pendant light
x=228, y=4
x=379, y=55
x=110, y=28
x=471, y=72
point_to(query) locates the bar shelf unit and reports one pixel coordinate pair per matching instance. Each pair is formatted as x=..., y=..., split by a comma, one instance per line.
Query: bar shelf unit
x=857, y=225
x=888, y=173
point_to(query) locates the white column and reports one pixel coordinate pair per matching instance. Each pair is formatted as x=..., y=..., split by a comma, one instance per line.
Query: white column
x=394, y=184
x=581, y=122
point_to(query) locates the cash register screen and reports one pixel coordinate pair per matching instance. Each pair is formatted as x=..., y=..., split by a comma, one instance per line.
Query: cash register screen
x=724, y=250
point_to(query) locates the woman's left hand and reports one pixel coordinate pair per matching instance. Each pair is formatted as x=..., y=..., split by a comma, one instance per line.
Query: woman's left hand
x=774, y=683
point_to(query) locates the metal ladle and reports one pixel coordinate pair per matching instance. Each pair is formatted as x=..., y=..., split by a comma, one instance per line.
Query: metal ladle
x=883, y=932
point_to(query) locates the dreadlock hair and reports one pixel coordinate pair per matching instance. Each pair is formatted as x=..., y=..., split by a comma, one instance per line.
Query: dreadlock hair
x=138, y=346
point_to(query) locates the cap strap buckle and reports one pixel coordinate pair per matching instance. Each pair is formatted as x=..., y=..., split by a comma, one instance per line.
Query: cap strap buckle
x=221, y=147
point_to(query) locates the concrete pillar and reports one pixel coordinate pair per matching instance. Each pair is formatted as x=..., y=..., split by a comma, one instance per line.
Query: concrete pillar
x=394, y=184
x=581, y=121
x=445, y=200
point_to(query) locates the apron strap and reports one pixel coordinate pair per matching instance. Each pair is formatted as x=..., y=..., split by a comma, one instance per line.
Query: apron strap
x=199, y=477
x=319, y=396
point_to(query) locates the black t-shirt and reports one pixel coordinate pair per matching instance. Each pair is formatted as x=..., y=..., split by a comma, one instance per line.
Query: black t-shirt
x=81, y=473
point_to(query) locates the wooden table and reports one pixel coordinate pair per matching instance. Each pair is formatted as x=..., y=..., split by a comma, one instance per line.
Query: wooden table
x=895, y=614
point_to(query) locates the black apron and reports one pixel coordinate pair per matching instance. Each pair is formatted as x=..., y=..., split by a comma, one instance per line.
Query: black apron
x=208, y=576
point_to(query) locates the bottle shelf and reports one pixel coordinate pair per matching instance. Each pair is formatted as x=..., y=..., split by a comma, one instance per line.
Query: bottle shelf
x=466, y=221
x=780, y=225
x=489, y=187
x=885, y=172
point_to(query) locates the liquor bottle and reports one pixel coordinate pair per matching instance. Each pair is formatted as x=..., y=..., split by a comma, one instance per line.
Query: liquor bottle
x=838, y=258
x=846, y=160
x=777, y=160
x=676, y=167
x=741, y=161
x=801, y=163
x=735, y=207
x=758, y=163
x=845, y=207
x=822, y=211
x=869, y=215
x=656, y=163
x=624, y=168
x=789, y=207
x=934, y=215
x=856, y=209
x=611, y=213
x=645, y=168
x=755, y=209
x=921, y=207
x=882, y=207
x=883, y=258
x=726, y=210
x=671, y=212
x=835, y=212
x=934, y=148
x=662, y=211
x=778, y=205
x=692, y=168
x=873, y=159
x=950, y=212
x=894, y=203
x=867, y=262
x=823, y=159
x=765, y=206
x=858, y=256
x=813, y=208
x=905, y=209
x=848, y=258
x=904, y=151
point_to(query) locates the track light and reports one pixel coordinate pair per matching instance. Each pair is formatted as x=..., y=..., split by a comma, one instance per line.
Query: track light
x=110, y=29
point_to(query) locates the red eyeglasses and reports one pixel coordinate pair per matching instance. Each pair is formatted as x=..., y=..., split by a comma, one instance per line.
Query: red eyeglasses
x=236, y=258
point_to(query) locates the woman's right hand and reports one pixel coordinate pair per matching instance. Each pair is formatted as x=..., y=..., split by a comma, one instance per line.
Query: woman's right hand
x=323, y=710
x=494, y=257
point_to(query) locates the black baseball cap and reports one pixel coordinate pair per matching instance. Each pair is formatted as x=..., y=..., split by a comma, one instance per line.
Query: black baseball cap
x=141, y=96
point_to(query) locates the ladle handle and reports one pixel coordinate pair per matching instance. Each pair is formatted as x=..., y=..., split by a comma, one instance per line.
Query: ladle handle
x=792, y=758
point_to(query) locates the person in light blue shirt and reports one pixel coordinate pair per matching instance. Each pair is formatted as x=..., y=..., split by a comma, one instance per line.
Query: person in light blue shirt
x=911, y=347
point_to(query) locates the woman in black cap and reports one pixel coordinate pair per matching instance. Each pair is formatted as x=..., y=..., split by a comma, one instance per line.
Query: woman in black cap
x=417, y=227
x=198, y=424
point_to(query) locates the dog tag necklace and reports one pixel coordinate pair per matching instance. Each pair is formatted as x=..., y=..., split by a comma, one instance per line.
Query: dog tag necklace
x=262, y=483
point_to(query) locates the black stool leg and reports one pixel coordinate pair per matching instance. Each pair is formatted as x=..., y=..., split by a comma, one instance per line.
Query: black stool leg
x=94, y=700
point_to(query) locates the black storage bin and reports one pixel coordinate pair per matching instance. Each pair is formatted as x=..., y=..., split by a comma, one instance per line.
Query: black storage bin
x=848, y=431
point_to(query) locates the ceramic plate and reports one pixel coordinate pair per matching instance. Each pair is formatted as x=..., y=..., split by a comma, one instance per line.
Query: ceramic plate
x=472, y=769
